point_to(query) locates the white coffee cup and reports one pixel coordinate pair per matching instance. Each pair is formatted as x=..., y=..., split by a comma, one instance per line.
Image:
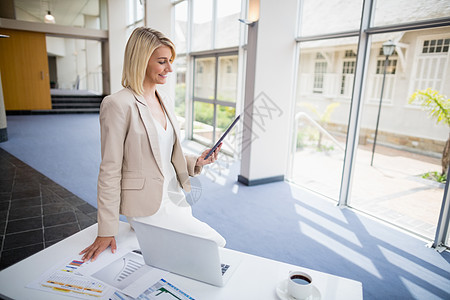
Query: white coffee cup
x=300, y=285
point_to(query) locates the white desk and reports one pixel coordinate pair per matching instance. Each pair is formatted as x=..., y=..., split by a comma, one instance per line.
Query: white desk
x=256, y=277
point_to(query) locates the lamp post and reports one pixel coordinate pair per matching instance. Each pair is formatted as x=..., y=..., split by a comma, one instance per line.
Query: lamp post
x=388, y=49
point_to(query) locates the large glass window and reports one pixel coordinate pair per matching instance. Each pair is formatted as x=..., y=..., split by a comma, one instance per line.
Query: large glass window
x=322, y=109
x=314, y=12
x=389, y=12
x=227, y=32
x=214, y=24
x=180, y=92
x=203, y=126
x=205, y=78
x=398, y=187
x=227, y=78
x=135, y=15
x=207, y=26
x=400, y=108
x=202, y=25
x=215, y=91
x=181, y=26
x=135, y=12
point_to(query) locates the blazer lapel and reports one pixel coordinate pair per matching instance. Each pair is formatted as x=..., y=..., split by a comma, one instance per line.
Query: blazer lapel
x=171, y=117
x=149, y=125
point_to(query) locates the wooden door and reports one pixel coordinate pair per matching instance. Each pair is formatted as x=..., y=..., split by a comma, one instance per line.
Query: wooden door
x=24, y=69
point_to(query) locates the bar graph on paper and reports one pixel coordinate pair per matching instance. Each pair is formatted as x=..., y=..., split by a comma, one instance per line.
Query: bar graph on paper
x=161, y=290
x=65, y=279
x=123, y=271
x=129, y=267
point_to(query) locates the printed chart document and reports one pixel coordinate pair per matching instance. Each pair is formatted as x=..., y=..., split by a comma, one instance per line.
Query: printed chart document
x=162, y=290
x=66, y=279
x=115, y=277
x=128, y=273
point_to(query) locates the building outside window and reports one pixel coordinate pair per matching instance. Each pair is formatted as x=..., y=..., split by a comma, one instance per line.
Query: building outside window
x=432, y=60
x=321, y=117
x=135, y=15
x=391, y=64
x=409, y=143
x=376, y=81
x=348, y=69
x=320, y=68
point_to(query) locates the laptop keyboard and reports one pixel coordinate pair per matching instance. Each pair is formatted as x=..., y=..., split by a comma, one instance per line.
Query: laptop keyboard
x=224, y=268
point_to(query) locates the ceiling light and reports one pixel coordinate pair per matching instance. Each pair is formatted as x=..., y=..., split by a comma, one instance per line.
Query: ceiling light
x=49, y=18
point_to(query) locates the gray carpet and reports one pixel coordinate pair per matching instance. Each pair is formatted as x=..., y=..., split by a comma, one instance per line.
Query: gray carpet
x=277, y=221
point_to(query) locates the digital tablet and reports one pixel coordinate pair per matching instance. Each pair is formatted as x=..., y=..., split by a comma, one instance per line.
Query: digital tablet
x=222, y=137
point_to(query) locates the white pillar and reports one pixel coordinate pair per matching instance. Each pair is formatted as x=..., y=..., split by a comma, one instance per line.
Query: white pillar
x=267, y=108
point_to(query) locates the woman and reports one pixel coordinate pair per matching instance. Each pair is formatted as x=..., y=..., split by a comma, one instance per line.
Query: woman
x=143, y=167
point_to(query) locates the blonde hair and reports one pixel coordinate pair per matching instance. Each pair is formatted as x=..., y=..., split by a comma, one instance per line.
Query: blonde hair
x=140, y=46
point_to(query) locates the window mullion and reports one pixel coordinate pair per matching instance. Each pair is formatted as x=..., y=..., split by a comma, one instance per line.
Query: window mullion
x=362, y=58
x=215, y=94
x=214, y=25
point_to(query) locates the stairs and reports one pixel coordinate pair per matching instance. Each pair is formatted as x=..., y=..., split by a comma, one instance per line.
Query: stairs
x=75, y=104
x=67, y=104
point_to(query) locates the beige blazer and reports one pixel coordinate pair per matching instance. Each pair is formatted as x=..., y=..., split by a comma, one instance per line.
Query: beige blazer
x=130, y=181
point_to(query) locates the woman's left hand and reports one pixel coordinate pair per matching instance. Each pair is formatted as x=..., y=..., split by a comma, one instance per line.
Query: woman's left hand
x=201, y=161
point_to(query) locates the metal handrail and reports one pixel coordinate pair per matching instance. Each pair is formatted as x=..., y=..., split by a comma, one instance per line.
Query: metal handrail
x=314, y=122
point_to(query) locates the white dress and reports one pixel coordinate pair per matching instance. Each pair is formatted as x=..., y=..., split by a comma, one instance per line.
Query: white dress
x=175, y=213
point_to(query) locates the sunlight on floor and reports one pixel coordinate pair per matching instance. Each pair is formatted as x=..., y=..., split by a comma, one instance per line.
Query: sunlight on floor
x=351, y=255
x=327, y=223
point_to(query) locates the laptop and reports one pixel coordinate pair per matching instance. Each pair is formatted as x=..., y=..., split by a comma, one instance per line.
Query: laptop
x=184, y=254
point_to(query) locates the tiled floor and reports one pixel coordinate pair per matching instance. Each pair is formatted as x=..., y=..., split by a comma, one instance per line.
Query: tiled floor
x=35, y=212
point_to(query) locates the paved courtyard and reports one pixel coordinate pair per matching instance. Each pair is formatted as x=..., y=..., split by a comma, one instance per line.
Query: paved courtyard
x=390, y=189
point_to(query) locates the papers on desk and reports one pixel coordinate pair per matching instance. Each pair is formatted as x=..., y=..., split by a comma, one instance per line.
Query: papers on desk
x=65, y=279
x=162, y=290
x=113, y=277
x=128, y=273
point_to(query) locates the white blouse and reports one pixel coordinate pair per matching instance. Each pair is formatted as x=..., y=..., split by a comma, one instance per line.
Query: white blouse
x=171, y=190
x=175, y=212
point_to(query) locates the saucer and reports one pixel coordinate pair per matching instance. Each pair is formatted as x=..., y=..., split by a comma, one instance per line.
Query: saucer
x=283, y=295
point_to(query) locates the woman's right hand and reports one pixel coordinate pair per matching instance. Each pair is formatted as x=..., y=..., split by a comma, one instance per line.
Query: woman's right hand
x=98, y=246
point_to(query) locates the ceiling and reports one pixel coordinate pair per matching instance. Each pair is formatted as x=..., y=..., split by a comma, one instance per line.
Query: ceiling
x=66, y=12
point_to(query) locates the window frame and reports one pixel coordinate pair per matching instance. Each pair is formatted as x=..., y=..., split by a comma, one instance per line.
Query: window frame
x=364, y=34
x=215, y=102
